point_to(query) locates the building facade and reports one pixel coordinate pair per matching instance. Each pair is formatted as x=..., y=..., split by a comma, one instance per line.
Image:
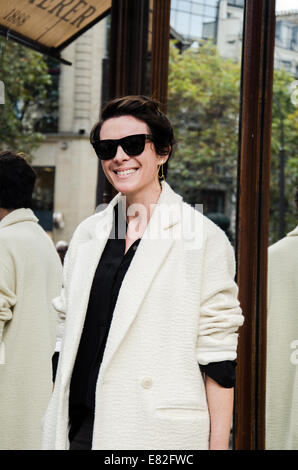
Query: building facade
x=286, y=42
x=222, y=22
x=229, y=35
x=194, y=19
x=66, y=165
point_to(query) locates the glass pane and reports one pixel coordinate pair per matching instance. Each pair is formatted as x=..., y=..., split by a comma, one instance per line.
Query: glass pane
x=187, y=18
x=210, y=11
x=203, y=106
x=198, y=8
x=182, y=23
x=196, y=26
x=282, y=307
x=209, y=28
x=184, y=5
x=173, y=18
x=236, y=3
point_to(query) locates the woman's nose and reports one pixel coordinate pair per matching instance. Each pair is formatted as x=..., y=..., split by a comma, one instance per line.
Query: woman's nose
x=120, y=154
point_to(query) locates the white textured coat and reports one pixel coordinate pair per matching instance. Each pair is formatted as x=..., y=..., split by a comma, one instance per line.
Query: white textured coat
x=30, y=275
x=177, y=306
x=282, y=345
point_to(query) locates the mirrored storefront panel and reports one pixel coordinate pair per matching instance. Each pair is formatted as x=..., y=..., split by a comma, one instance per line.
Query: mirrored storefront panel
x=204, y=105
x=282, y=305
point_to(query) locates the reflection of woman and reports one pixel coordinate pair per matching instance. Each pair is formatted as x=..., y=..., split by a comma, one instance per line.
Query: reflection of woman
x=282, y=344
x=144, y=307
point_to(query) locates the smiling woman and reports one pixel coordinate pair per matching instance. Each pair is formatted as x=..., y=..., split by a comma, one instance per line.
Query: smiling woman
x=131, y=174
x=149, y=348
x=134, y=141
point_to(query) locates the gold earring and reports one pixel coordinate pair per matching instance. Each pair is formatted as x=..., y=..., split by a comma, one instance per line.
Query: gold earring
x=162, y=176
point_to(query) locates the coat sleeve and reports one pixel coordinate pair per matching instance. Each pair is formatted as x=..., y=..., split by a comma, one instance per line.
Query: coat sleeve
x=220, y=312
x=60, y=303
x=7, y=294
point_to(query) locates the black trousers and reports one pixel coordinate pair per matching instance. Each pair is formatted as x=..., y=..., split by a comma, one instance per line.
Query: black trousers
x=81, y=431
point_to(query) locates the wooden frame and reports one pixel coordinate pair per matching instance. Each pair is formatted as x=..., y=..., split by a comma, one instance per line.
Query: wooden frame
x=253, y=221
x=128, y=51
x=160, y=52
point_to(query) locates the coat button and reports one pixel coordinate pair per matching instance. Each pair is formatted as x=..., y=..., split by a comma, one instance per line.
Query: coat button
x=147, y=382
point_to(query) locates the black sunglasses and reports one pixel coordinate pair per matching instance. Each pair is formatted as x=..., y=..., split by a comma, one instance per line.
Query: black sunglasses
x=132, y=145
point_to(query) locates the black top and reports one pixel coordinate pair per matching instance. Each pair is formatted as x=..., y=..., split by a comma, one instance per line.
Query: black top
x=103, y=296
x=106, y=284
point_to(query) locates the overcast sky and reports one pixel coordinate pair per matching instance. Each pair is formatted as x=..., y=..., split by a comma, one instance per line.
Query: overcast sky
x=286, y=5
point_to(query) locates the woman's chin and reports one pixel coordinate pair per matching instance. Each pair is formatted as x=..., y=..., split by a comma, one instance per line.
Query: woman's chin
x=125, y=185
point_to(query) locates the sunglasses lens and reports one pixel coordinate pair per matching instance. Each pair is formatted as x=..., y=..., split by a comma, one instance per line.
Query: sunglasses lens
x=134, y=144
x=105, y=149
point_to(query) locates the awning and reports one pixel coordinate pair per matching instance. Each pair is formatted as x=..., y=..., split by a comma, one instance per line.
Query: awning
x=48, y=26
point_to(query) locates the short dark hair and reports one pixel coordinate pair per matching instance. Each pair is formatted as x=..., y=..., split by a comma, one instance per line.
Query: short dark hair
x=146, y=110
x=17, y=180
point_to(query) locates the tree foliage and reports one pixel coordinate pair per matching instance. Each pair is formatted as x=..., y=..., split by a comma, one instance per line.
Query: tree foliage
x=26, y=79
x=203, y=105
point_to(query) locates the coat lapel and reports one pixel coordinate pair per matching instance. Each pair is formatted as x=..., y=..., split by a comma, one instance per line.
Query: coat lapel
x=87, y=258
x=293, y=233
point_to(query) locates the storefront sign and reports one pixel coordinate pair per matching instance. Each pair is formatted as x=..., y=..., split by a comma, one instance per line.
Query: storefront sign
x=50, y=23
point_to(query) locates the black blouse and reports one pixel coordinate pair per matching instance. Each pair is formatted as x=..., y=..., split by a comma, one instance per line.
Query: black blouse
x=107, y=281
